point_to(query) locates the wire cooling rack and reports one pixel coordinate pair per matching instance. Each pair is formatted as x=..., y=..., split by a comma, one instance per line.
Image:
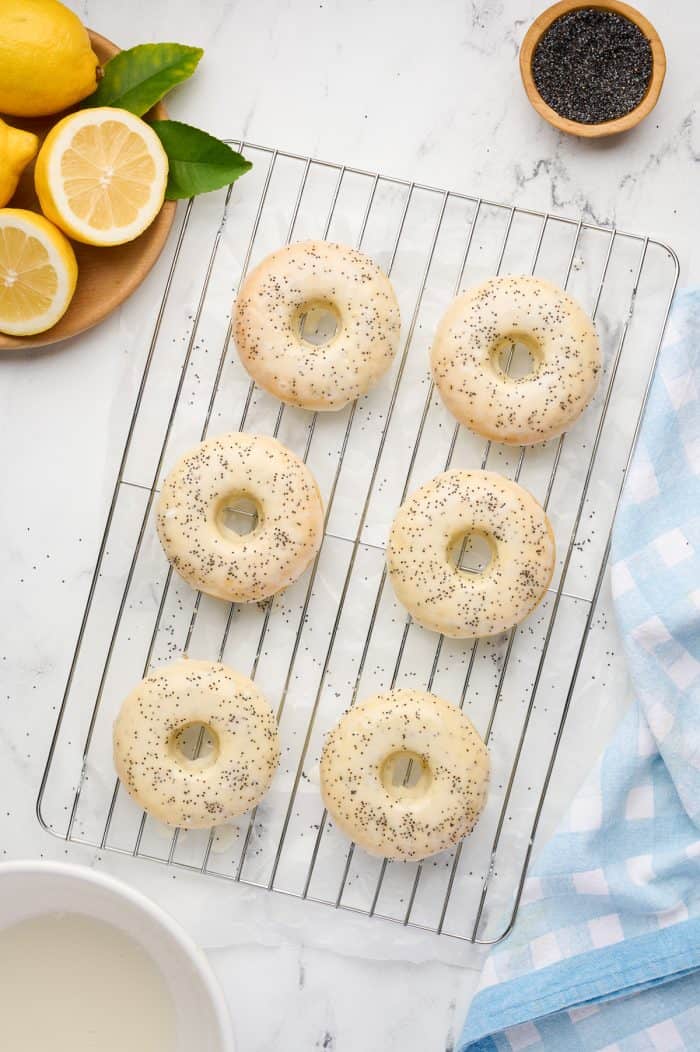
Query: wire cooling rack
x=338, y=635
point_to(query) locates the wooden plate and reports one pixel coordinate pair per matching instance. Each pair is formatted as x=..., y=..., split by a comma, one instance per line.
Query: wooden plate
x=620, y=124
x=106, y=276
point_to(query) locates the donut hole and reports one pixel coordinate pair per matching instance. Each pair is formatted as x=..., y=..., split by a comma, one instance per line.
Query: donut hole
x=471, y=552
x=317, y=323
x=196, y=745
x=516, y=357
x=238, y=515
x=405, y=773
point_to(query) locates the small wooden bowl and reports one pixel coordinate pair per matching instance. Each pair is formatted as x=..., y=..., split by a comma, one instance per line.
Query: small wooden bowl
x=106, y=276
x=620, y=124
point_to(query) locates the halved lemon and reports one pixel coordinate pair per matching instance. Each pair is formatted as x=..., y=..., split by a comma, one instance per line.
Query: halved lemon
x=38, y=273
x=101, y=176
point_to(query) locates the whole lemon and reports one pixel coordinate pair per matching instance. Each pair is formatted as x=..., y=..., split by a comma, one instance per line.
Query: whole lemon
x=17, y=148
x=46, y=62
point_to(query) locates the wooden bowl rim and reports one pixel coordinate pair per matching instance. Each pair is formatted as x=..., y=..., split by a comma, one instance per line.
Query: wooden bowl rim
x=628, y=120
x=152, y=251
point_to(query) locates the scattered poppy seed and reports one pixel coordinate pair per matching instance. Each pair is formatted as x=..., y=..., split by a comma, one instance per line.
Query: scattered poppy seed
x=592, y=65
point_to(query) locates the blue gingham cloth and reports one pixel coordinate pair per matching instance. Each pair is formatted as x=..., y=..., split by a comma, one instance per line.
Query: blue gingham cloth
x=606, y=950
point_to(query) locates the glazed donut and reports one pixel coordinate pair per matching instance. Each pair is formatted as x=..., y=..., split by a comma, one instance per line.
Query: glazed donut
x=214, y=788
x=427, y=533
x=289, y=285
x=480, y=326
x=191, y=517
x=370, y=745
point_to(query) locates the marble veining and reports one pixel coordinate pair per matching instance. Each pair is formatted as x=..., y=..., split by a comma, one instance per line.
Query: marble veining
x=426, y=91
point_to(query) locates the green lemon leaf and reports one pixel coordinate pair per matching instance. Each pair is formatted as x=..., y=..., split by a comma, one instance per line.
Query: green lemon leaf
x=136, y=79
x=198, y=162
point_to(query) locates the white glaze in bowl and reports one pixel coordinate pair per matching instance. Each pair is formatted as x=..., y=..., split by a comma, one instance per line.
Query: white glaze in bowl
x=32, y=888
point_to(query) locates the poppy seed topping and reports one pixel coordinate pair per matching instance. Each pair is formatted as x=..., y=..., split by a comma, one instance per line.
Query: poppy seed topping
x=212, y=789
x=385, y=815
x=283, y=290
x=433, y=521
x=214, y=477
x=478, y=330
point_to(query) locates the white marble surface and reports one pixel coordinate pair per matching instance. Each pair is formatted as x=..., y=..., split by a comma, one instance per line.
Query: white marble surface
x=430, y=91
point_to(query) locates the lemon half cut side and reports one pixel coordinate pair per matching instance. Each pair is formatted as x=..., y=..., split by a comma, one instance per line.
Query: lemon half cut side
x=101, y=176
x=38, y=273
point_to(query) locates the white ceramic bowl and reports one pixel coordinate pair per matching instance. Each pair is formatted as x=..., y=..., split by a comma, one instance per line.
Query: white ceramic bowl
x=28, y=889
